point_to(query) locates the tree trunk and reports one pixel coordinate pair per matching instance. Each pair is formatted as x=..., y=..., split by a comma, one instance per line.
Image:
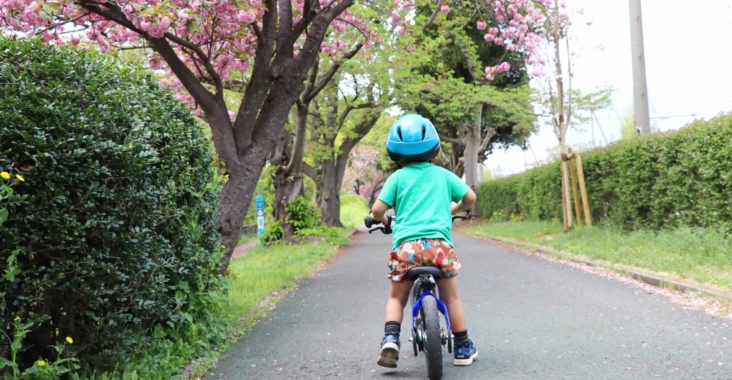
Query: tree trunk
x=288, y=179
x=472, y=141
x=329, y=199
x=236, y=196
x=567, y=199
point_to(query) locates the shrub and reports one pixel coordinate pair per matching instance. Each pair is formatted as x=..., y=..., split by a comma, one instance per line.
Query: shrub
x=112, y=235
x=354, y=208
x=302, y=214
x=679, y=178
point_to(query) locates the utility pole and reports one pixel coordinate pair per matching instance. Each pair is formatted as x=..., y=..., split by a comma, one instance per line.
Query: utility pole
x=640, y=90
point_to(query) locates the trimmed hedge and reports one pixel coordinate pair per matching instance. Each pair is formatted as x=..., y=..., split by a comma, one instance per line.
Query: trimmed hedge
x=113, y=232
x=659, y=181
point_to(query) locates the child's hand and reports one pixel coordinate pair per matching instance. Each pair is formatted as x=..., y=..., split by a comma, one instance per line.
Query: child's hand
x=454, y=209
x=384, y=220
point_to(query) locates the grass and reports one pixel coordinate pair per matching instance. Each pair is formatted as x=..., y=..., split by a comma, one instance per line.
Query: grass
x=255, y=277
x=514, y=230
x=699, y=254
x=246, y=239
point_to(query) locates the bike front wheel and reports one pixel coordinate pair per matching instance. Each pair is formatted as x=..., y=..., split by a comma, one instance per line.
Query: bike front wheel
x=432, y=338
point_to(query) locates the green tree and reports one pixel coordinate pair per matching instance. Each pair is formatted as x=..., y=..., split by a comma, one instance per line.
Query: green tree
x=441, y=77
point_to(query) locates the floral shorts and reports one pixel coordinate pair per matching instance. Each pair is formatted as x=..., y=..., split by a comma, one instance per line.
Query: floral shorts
x=433, y=252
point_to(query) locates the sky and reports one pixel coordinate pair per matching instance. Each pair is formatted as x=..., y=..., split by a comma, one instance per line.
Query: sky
x=688, y=69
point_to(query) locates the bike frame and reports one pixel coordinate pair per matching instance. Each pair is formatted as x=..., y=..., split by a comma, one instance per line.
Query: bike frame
x=427, y=292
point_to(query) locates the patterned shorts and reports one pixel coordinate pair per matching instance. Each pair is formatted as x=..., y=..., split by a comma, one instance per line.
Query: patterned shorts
x=432, y=252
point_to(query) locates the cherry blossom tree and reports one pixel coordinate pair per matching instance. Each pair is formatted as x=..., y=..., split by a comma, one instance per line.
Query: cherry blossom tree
x=263, y=48
x=367, y=173
x=557, y=94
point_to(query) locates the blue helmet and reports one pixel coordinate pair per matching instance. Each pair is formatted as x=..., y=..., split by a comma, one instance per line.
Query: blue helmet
x=412, y=138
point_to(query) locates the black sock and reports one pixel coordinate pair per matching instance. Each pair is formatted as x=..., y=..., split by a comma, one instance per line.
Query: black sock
x=461, y=338
x=392, y=328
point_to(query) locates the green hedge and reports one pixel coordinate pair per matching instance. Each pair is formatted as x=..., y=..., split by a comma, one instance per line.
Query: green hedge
x=659, y=181
x=111, y=238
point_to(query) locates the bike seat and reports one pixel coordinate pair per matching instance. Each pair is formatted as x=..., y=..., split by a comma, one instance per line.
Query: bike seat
x=415, y=272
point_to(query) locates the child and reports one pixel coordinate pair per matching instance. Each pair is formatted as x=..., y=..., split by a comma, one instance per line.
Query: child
x=421, y=195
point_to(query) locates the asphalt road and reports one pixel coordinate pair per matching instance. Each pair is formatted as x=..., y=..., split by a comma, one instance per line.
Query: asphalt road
x=530, y=318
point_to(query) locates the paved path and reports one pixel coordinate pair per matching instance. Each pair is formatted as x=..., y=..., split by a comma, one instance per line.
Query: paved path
x=531, y=319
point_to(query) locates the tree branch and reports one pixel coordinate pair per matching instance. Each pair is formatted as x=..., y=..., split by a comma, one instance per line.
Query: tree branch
x=189, y=80
x=487, y=139
x=451, y=139
x=433, y=17
x=260, y=82
x=329, y=75
x=257, y=31
x=284, y=34
x=203, y=57
x=309, y=171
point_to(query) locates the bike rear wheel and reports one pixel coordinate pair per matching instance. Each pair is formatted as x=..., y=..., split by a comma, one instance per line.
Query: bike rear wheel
x=432, y=338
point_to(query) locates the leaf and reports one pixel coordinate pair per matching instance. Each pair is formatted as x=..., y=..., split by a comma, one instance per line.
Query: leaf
x=3, y=215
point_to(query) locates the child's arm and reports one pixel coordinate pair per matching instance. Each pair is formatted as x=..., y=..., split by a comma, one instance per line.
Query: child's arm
x=465, y=204
x=378, y=212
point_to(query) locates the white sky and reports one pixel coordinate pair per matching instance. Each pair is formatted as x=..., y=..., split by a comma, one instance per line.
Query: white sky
x=688, y=68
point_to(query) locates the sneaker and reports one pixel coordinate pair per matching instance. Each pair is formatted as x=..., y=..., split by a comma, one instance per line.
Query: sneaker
x=389, y=352
x=464, y=355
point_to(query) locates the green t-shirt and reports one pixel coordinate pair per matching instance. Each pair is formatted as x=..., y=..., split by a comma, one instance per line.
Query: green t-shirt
x=420, y=194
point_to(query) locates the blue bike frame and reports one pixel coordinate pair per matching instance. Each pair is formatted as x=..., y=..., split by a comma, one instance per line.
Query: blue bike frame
x=440, y=306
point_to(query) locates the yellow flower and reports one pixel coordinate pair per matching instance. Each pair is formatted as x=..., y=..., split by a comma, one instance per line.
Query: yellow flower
x=41, y=363
x=20, y=177
x=223, y=247
x=17, y=319
x=69, y=340
x=5, y=175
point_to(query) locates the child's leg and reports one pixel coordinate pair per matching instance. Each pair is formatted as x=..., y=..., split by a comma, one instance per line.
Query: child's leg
x=398, y=298
x=449, y=296
x=464, y=350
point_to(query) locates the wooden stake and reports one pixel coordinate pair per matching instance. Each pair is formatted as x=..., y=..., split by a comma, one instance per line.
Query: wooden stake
x=575, y=192
x=583, y=190
x=564, y=208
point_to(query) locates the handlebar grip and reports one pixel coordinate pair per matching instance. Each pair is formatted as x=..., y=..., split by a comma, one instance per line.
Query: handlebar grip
x=369, y=221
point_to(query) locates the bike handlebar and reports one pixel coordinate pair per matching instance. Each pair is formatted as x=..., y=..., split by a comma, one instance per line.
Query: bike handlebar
x=386, y=229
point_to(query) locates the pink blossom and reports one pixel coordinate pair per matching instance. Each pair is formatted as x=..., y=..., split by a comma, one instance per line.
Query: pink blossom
x=444, y=9
x=563, y=15
x=395, y=18
x=493, y=31
x=245, y=17
x=498, y=41
x=563, y=4
x=232, y=115
x=589, y=22
x=75, y=40
x=482, y=25
x=581, y=11
x=489, y=37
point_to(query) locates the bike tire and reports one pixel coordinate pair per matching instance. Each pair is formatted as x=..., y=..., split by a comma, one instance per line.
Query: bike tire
x=432, y=339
